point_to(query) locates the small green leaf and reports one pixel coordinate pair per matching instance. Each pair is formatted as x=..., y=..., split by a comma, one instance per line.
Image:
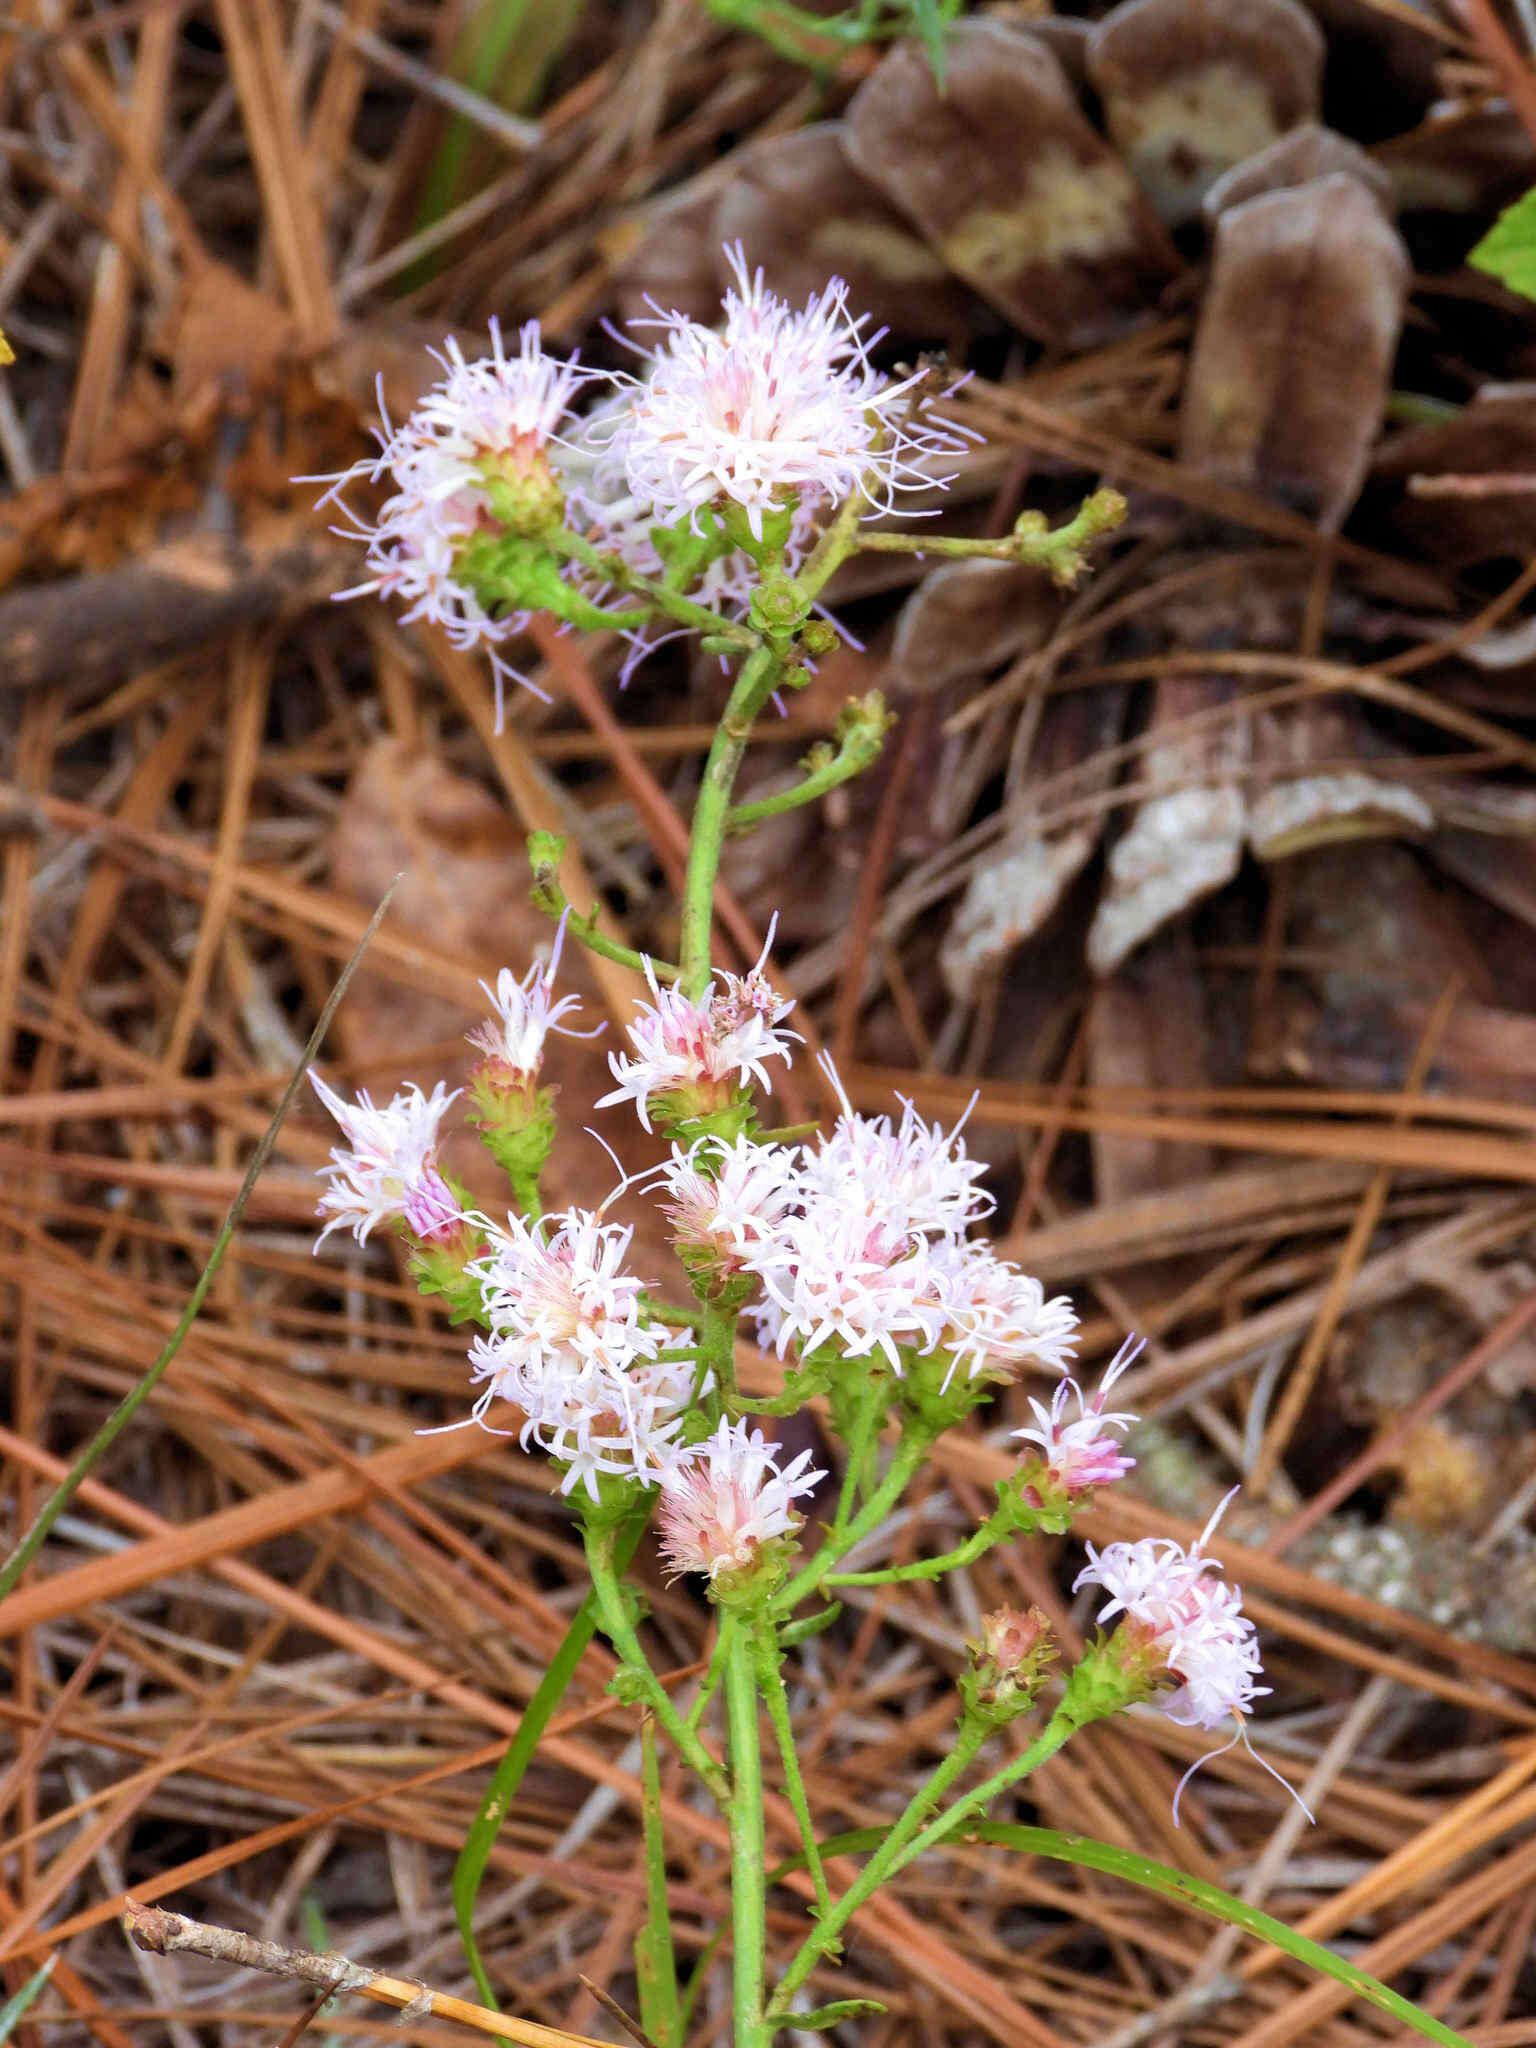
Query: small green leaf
x=1508, y=250
x=831, y=2015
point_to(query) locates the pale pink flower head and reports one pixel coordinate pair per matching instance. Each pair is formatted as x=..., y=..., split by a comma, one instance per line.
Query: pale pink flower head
x=1072, y=1457
x=558, y=1291
x=387, y=1171
x=527, y=1011
x=471, y=459
x=725, y=1201
x=1183, y=1623
x=913, y=1176
x=832, y=1274
x=693, y=1059
x=570, y=1344
x=596, y=1420
x=775, y=410
x=726, y=1499
x=999, y=1319
x=601, y=506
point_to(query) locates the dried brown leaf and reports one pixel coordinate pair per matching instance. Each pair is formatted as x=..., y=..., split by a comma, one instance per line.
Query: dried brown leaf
x=801, y=210
x=1005, y=177
x=1191, y=87
x=1293, y=355
x=1303, y=153
x=966, y=617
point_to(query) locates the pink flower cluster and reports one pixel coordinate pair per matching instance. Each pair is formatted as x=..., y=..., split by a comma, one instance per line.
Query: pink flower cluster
x=693, y=1057
x=860, y=1240
x=1187, y=1624
x=485, y=422
x=527, y=1011
x=778, y=414
x=776, y=410
x=571, y=1345
x=1073, y=1457
x=875, y=1257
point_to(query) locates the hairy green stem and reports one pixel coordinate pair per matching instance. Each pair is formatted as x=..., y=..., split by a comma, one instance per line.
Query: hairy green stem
x=872, y=1402
x=1061, y=550
x=771, y=1678
x=548, y=896
x=474, y=1857
x=910, y=1453
x=823, y=1940
x=661, y=596
x=717, y=1347
x=1061, y=1727
x=858, y=751
x=709, y=1685
x=655, y=1952
x=751, y=691
x=991, y=1531
x=744, y=1813
x=620, y=1630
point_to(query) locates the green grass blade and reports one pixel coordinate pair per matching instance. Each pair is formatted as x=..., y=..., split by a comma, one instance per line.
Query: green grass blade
x=1176, y=1885
x=508, y=1776
x=928, y=24
x=128, y=1407
x=504, y=53
x=15, y=2006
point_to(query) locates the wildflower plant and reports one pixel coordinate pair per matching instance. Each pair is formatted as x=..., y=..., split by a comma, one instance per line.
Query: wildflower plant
x=715, y=493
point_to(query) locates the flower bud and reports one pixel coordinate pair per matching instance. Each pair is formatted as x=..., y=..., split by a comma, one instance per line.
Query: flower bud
x=1008, y=1664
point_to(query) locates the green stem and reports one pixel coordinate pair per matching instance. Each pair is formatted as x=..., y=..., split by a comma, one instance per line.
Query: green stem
x=655, y=1951
x=837, y=544
x=749, y=1890
x=469, y=1871
x=859, y=749
x=769, y=1404
x=750, y=692
x=709, y=1685
x=823, y=1939
x=1061, y=551
x=620, y=1631
x=771, y=1678
x=661, y=595
x=870, y=1411
x=669, y=1312
x=1062, y=1725
x=992, y=1530
x=717, y=1348
x=549, y=897
x=910, y=1453
x=1185, y=1891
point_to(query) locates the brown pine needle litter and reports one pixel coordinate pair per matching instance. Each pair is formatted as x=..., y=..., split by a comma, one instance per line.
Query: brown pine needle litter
x=1279, y=1114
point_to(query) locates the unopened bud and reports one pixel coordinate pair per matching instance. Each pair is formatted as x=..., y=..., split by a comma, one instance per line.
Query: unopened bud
x=1009, y=1663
